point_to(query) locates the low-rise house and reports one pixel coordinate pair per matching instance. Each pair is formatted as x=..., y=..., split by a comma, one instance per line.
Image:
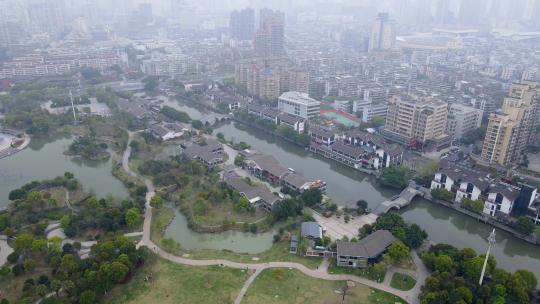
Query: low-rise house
x=321, y=136
x=311, y=231
x=379, y=154
x=265, y=167
x=270, y=114
x=295, y=122
x=464, y=182
x=501, y=198
x=257, y=195
x=208, y=153
x=472, y=185
x=360, y=254
x=255, y=109
x=167, y=131
x=445, y=178
x=299, y=183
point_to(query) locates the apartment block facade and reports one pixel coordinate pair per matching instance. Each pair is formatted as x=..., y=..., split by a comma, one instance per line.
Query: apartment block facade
x=416, y=120
x=510, y=131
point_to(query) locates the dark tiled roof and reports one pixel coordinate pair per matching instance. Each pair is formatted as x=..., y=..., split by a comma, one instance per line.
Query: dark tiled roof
x=289, y=118
x=351, y=151
x=507, y=191
x=311, y=229
x=249, y=191
x=320, y=132
x=368, y=247
x=295, y=179
x=462, y=174
x=269, y=163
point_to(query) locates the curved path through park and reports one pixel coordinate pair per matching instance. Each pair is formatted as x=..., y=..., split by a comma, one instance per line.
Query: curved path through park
x=320, y=273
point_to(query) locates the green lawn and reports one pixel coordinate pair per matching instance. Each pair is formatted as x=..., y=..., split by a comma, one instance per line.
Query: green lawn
x=279, y=252
x=402, y=281
x=368, y=273
x=173, y=283
x=285, y=286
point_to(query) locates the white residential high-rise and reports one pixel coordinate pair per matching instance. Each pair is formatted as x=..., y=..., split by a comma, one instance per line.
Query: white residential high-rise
x=299, y=104
x=383, y=33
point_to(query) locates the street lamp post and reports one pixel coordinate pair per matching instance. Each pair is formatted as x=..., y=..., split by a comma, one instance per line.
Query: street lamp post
x=491, y=241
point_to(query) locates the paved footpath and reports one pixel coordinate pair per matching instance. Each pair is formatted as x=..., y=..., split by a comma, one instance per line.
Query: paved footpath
x=258, y=268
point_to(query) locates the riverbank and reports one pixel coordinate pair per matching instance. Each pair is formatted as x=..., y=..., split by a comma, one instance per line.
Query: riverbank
x=487, y=220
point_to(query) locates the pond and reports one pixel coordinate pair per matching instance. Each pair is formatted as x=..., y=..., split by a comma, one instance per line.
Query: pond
x=44, y=159
x=235, y=241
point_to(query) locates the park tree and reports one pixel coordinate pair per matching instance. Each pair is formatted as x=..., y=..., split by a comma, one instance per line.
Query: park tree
x=426, y=172
x=395, y=177
x=361, y=206
x=133, y=217
x=311, y=197
x=524, y=225
x=398, y=251
x=156, y=202
x=87, y=297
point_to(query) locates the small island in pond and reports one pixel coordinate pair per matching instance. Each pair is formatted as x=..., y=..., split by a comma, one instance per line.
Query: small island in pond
x=88, y=148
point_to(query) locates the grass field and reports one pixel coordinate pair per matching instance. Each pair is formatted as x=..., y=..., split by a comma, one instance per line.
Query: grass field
x=279, y=252
x=284, y=286
x=402, y=281
x=173, y=283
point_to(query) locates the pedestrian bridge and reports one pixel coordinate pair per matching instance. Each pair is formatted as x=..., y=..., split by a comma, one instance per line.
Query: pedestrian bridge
x=402, y=200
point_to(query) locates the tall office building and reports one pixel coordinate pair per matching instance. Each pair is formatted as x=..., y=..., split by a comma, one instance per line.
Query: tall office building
x=242, y=24
x=418, y=121
x=269, y=41
x=383, y=33
x=509, y=132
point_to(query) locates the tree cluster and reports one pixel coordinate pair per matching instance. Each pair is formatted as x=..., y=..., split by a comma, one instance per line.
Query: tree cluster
x=395, y=177
x=411, y=235
x=176, y=115
x=456, y=274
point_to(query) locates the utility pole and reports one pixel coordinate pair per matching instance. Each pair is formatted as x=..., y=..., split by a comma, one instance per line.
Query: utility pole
x=73, y=108
x=491, y=241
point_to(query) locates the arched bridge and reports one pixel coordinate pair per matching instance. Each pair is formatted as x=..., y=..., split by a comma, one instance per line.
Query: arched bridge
x=402, y=200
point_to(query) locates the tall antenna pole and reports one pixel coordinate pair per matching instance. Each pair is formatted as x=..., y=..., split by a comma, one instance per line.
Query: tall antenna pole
x=491, y=241
x=73, y=108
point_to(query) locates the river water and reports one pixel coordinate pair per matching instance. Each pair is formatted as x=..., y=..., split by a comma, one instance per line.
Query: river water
x=346, y=186
x=44, y=159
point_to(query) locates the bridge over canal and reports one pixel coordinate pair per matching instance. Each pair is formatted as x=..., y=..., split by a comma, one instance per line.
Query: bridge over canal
x=402, y=200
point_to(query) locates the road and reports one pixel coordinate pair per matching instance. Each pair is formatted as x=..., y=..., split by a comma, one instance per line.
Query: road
x=320, y=273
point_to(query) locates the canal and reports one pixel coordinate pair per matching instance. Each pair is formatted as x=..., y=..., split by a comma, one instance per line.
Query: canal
x=346, y=186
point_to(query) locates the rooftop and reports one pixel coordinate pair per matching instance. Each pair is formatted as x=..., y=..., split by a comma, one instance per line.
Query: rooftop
x=369, y=247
